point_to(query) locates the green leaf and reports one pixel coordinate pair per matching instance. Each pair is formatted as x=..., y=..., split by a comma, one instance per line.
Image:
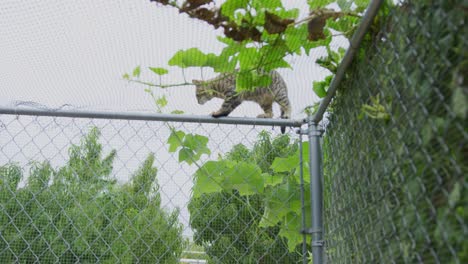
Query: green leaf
x=283, y=13
x=263, y=81
x=221, y=63
x=244, y=81
x=188, y=58
x=270, y=4
x=226, y=175
x=248, y=58
x=272, y=180
x=319, y=89
x=269, y=218
x=244, y=177
x=126, y=76
x=136, y=72
x=296, y=37
x=225, y=40
x=273, y=55
x=315, y=4
x=345, y=5
x=161, y=101
x=305, y=170
x=460, y=102
x=187, y=155
x=159, y=71
x=277, y=205
x=175, y=140
x=230, y=6
x=197, y=144
x=285, y=164
x=361, y=5
x=177, y=112
x=455, y=195
x=343, y=24
x=290, y=229
x=209, y=177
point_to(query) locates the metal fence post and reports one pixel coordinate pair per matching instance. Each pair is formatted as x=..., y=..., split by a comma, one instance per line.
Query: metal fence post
x=316, y=189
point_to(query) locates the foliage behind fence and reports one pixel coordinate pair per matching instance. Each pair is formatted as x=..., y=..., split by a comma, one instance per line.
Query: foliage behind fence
x=396, y=146
x=84, y=190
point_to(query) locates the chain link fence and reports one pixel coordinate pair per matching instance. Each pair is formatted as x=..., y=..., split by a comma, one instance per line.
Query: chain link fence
x=87, y=190
x=395, y=149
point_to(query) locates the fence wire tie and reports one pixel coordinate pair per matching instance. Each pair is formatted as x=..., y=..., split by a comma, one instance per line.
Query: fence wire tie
x=314, y=132
x=310, y=231
x=318, y=243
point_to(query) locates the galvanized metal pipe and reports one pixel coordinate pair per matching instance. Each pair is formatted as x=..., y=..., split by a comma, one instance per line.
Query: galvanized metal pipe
x=354, y=44
x=303, y=209
x=154, y=117
x=316, y=192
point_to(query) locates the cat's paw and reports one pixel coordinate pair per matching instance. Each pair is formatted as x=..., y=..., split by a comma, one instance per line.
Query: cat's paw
x=217, y=114
x=265, y=115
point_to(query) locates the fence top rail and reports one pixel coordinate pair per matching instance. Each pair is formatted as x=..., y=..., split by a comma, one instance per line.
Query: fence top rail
x=142, y=116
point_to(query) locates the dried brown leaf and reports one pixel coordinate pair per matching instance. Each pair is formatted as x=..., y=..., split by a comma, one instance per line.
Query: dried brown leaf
x=275, y=24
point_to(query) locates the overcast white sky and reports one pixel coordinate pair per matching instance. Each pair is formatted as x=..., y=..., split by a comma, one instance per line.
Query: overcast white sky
x=59, y=52
x=75, y=52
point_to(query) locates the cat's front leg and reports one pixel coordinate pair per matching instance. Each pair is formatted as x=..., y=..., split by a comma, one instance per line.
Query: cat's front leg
x=219, y=113
x=227, y=107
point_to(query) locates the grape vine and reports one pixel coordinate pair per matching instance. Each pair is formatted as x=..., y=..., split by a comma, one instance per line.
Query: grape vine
x=258, y=35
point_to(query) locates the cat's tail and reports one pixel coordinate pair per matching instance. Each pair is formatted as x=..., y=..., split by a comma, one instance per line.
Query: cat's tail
x=285, y=113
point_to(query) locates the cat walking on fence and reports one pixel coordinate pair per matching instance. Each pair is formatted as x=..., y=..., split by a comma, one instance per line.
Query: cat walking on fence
x=224, y=87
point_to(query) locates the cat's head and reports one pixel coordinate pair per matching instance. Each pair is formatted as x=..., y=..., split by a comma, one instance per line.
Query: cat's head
x=203, y=92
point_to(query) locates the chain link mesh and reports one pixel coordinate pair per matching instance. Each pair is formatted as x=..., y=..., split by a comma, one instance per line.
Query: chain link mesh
x=395, y=149
x=78, y=190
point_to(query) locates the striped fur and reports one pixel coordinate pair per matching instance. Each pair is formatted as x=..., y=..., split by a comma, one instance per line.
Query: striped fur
x=224, y=87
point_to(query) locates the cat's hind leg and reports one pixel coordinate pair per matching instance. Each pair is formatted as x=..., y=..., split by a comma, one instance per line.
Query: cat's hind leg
x=268, y=109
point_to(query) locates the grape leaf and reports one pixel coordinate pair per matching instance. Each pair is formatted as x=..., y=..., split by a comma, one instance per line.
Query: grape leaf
x=187, y=155
x=361, y=5
x=244, y=177
x=161, y=101
x=269, y=218
x=230, y=6
x=136, y=72
x=290, y=229
x=247, y=58
x=197, y=144
x=305, y=169
x=345, y=5
x=270, y=4
x=285, y=164
x=158, y=71
x=295, y=37
x=459, y=105
x=277, y=205
x=320, y=89
x=188, y=58
x=175, y=140
x=272, y=180
x=343, y=24
x=208, y=177
x=244, y=81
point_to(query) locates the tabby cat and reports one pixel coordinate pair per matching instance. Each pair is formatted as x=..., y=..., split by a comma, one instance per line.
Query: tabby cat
x=224, y=85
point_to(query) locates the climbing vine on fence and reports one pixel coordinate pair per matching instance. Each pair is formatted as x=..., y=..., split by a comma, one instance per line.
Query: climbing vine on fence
x=258, y=35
